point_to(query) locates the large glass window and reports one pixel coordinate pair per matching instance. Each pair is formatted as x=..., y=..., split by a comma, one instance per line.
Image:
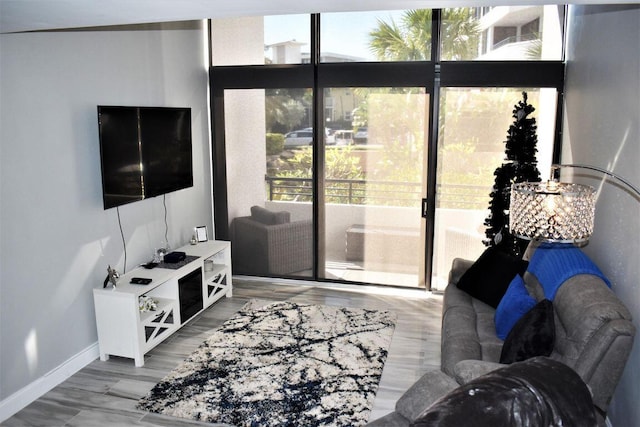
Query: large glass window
x=502, y=33
x=381, y=151
x=376, y=36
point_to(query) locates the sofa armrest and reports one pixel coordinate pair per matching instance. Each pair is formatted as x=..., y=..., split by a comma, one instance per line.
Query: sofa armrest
x=458, y=267
x=429, y=388
x=467, y=370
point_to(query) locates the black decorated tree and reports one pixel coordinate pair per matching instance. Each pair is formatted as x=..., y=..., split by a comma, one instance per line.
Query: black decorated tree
x=520, y=165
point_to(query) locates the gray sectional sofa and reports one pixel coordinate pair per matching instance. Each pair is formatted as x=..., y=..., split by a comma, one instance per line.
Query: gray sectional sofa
x=593, y=336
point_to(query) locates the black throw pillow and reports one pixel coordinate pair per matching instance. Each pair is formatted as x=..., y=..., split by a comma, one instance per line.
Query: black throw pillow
x=533, y=335
x=489, y=277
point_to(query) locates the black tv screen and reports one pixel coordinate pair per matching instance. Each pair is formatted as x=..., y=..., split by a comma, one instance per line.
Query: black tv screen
x=144, y=152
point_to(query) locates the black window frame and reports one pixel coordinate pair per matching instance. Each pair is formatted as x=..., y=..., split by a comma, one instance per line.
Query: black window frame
x=432, y=75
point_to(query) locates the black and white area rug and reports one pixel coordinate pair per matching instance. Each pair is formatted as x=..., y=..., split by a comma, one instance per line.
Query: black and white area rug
x=283, y=364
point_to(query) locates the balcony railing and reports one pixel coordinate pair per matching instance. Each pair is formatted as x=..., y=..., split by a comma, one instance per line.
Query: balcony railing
x=369, y=192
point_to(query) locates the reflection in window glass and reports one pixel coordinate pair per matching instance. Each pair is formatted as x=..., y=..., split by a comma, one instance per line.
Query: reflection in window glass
x=376, y=36
x=502, y=33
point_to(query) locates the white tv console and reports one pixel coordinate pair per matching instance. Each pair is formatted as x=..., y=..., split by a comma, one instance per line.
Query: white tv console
x=123, y=330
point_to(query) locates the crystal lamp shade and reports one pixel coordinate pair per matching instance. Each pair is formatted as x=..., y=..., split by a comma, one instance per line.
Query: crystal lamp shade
x=552, y=211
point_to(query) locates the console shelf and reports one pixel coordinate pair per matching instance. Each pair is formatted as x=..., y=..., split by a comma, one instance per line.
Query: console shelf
x=123, y=330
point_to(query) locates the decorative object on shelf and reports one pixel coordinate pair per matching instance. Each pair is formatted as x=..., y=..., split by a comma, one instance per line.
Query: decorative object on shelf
x=112, y=277
x=146, y=303
x=201, y=233
x=520, y=165
x=159, y=254
x=193, y=240
x=554, y=211
x=208, y=265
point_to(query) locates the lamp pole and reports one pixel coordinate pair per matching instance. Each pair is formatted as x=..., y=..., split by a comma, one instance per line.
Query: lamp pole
x=556, y=167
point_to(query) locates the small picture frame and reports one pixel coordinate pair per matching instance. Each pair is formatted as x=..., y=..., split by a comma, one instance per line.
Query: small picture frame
x=201, y=233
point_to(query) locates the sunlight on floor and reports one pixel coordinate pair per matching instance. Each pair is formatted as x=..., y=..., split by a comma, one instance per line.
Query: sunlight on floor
x=357, y=288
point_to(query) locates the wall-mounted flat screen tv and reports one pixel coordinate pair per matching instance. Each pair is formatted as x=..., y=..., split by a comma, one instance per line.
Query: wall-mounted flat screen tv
x=144, y=152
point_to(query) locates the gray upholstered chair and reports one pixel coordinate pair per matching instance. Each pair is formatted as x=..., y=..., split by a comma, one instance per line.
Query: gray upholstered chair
x=269, y=243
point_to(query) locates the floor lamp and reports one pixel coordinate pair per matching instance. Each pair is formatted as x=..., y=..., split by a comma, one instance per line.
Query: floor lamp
x=556, y=212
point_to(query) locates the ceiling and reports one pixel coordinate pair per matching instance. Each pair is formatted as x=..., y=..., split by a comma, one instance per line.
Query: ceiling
x=33, y=15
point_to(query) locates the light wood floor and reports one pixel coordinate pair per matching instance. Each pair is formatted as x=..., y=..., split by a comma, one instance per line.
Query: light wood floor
x=105, y=393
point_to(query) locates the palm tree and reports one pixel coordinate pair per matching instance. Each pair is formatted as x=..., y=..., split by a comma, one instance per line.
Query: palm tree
x=410, y=40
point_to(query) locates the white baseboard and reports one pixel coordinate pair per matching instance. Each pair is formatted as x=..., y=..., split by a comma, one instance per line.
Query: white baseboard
x=23, y=397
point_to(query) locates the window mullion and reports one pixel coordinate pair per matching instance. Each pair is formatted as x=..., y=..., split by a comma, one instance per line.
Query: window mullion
x=436, y=23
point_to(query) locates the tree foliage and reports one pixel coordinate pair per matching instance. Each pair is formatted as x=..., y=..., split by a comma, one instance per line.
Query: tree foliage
x=275, y=143
x=285, y=109
x=410, y=39
x=339, y=164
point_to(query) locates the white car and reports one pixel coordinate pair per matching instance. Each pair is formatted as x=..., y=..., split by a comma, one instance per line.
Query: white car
x=298, y=138
x=328, y=135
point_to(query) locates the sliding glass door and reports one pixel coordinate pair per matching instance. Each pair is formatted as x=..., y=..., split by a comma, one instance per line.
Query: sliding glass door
x=372, y=182
x=374, y=179
x=474, y=124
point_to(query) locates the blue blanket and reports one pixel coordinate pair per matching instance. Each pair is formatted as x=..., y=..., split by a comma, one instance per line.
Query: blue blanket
x=554, y=264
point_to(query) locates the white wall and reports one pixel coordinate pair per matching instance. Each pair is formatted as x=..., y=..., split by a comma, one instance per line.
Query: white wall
x=244, y=110
x=602, y=128
x=56, y=239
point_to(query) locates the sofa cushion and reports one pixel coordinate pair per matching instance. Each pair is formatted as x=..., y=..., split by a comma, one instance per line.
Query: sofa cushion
x=533, y=335
x=267, y=217
x=468, y=330
x=515, y=303
x=489, y=277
